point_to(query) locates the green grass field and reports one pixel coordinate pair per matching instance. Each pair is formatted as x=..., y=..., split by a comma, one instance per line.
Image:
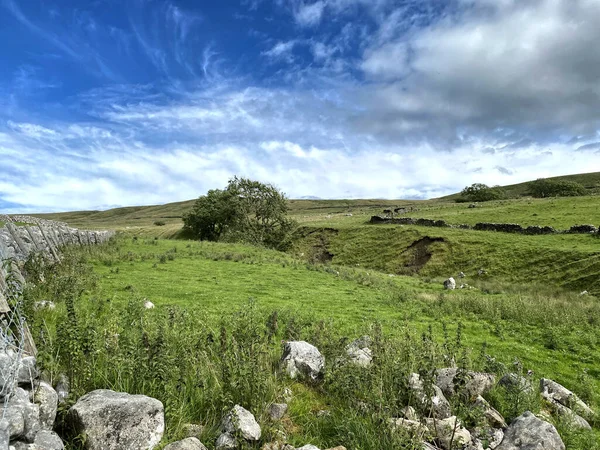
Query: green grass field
x=555, y=334
x=343, y=278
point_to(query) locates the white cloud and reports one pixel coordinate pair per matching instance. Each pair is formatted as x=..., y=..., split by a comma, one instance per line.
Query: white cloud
x=309, y=14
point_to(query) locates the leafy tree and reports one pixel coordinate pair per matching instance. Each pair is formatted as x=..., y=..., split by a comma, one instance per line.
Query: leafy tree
x=542, y=188
x=245, y=210
x=479, y=192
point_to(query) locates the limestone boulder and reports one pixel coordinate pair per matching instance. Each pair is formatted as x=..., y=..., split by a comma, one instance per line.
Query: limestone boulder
x=477, y=383
x=241, y=422
x=527, y=432
x=450, y=284
x=45, y=396
x=303, y=359
x=110, y=420
x=190, y=443
x=449, y=433
x=551, y=390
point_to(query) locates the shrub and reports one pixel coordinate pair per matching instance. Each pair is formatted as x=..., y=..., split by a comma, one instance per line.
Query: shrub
x=246, y=210
x=479, y=192
x=159, y=223
x=542, y=188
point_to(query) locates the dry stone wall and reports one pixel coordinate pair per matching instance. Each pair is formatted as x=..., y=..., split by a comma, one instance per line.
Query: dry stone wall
x=487, y=226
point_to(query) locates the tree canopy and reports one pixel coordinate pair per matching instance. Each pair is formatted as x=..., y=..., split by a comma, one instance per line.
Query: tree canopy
x=479, y=192
x=245, y=210
x=542, y=188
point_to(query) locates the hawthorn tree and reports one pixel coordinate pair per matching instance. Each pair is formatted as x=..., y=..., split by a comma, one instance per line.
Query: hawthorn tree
x=246, y=210
x=542, y=188
x=479, y=192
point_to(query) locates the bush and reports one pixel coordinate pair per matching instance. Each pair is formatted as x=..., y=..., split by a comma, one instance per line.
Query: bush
x=246, y=210
x=479, y=192
x=542, y=188
x=159, y=223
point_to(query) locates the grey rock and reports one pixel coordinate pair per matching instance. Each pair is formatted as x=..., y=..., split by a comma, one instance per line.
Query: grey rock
x=414, y=427
x=190, y=443
x=277, y=410
x=408, y=412
x=111, y=420
x=225, y=442
x=45, y=396
x=450, y=284
x=13, y=414
x=551, y=389
x=359, y=352
x=493, y=436
x=62, y=387
x=437, y=404
x=240, y=420
x=193, y=430
x=302, y=358
x=28, y=371
x=449, y=432
x=567, y=414
x=308, y=447
x=477, y=383
x=493, y=417
x=516, y=382
x=527, y=432
x=48, y=440
x=4, y=433
x=31, y=417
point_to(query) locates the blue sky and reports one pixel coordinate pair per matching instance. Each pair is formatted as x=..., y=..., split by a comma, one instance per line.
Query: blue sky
x=108, y=103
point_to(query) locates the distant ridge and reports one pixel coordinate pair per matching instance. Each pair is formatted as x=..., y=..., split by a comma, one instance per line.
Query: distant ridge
x=591, y=181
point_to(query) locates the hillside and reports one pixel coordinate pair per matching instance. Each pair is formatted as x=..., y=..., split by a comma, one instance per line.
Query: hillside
x=591, y=181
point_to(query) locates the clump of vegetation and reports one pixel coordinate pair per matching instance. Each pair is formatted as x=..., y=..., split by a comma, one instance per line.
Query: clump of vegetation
x=542, y=188
x=479, y=192
x=160, y=223
x=245, y=211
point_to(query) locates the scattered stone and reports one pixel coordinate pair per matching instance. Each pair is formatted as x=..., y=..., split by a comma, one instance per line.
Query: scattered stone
x=48, y=440
x=482, y=272
x=450, y=284
x=4, y=433
x=493, y=436
x=414, y=427
x=575, y=420
x=225, y=442
x=472, y=205
x=551, y=390
x=277, y=410
x=240, y=420
x=449, y=432
x=308, y=447
x=193, y=430
x=62, y=387
x=493, y=417
x=302, y=358
x=28, y=371
x=47, y=398
x=148, y=304
x=408, y=412
x=190, y=443
x=477, y=383
x=359, y=352
x=111, y=420
x=45, y=304
x=527, y=432
x=584, y=293
x=516, y=382
x=277, y=446
x=323, y=413
x=13, y=414
x=436, y=404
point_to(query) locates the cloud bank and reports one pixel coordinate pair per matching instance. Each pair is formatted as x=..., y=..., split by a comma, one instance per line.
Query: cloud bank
x=335, y=99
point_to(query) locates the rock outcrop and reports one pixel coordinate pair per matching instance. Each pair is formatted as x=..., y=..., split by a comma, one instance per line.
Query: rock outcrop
x=302, y=359
x=527, y=432
x=110, y=420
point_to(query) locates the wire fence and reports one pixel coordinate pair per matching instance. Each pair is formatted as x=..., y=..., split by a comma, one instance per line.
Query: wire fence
x=13, y=331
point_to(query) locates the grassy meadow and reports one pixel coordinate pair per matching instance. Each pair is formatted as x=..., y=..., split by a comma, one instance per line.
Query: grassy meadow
x=223, y=309
x=212, y=299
